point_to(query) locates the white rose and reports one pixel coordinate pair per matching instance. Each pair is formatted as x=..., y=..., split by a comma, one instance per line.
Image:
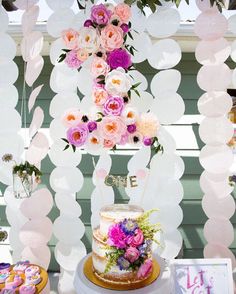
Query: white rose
x=118, y=82
x=130, y=115
x=89, y=39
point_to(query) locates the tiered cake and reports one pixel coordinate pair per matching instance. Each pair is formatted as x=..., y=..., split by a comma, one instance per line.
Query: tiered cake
x=121, y=252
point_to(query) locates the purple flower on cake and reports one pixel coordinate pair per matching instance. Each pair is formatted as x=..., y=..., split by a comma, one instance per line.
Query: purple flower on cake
x=72, y=60
x=131, y=128
x=136, y=239
x=116, y=237
x=119, y=58
x=132, y=254
x=113, y=106
x=92, y=126
x=145, y=269
x=123, y=263
x=129, y=226
x=78, y=135
x=145, y=248
x=100, y=14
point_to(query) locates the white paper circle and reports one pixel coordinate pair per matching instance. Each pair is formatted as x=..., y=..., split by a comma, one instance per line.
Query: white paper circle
x=3, y=19
x=163, y=23
x=143, y=102
x=79, y=20
x=13, y=144
x=172, y=245
x=66, y=179
x=216, y=130
x=56, y=50
x=7, y=47
x=212, y=52
x=10, y=121
x=63, y=79
x=164, y=54
x=63, y=101
x=234, y=77
x=216, y=159
x=215, y=103
x=170, y=192
x=233, y=51
x=57, y=130
x=138, y=77
x=142, y=43
x=85, y=81
x=175, y=106
x=29, y=19
x=165, y=81
x=59, y=4
x=8, y=96
x=25, y=4
x=68, y=230
x=138, y=19
x=232, y=23
x=166, y=140
x=67, y=204
x=60, y=21
x=8, y=72
x=64, y=158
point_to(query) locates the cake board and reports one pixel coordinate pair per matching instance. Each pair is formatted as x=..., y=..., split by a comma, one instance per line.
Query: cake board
x=161, y=285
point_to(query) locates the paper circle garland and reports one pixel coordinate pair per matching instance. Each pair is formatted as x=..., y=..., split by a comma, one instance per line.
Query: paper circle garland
x=7, y=47
x=59, y=4
x=67, y=204
x=3, y=19
x=232, y=23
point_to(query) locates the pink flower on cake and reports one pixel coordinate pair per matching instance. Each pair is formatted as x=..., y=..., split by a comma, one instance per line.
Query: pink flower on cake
x=148, y=125
x=112, y=128
x=99, y=96
x=132, y=254
x=113, y=106
x=72, y=60
x=111, y=37
x=89, y=39
x=82, y=54
x=71, y=117
x=117, y=82
x=116, y=237
x=78, y=135
x=100, y=14
x=136, y=239
x=99, y=67
x=145, y=269
x=123, y=11
x=70, y=37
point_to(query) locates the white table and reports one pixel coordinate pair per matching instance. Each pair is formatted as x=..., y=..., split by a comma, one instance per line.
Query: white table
x=161, y=286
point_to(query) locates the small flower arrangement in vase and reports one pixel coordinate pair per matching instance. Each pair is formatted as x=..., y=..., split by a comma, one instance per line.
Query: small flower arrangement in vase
x=24, y=175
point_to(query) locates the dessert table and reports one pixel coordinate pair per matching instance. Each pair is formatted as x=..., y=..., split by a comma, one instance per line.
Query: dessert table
x=161, y=285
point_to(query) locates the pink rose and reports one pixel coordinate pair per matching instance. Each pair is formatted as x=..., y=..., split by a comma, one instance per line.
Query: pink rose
x=123, y=11
x=132, y=254
x=108, y=144
x=113, y=106
x=100, y=14
x=99, y=67
x=99, y=96
x=145, y=269
x=136, y=239
x=111, y=37
x=112, y=128
x=82, y=54
x=116, y=237
x=70, y=38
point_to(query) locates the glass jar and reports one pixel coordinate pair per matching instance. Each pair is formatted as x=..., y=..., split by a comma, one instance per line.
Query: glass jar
x=22, y=185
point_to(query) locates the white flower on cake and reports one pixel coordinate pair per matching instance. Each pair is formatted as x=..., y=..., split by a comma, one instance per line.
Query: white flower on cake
x=118, y=82
x=89, y=39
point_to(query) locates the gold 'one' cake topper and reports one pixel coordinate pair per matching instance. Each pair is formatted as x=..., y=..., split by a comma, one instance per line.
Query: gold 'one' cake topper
x=121, y=181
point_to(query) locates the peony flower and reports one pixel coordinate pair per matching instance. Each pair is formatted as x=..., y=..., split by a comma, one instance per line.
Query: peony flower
x=72, y=59
x=100, y=14
x=70, y=37
x=82, y=54
x=71, y=117
x=148, y=125
x=123, y=263
x=123, y=11
x=111, y=37
x=147, y=141
x=113, y=106
x=131, y=128
x=89, y=39
x=78, y=135
x=145, y=269
x=108, y=144
x=132, y=254
x=136, y=138
x=99, y=67
x=119, y=58
x=136, y=239
x=112, y=128
x=94, y=143
x=116, y=237
x=92, y=126
x=99, y=96
x=130, y=115
x=124, y=139
x=117, y=82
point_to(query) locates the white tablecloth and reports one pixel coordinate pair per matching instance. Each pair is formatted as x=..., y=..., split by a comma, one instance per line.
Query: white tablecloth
x=161, y=286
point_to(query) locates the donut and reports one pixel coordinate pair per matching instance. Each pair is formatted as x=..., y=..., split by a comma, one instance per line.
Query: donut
x=27, y=289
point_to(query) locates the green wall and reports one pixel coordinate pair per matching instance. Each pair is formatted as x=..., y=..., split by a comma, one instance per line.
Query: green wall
x=194, y=217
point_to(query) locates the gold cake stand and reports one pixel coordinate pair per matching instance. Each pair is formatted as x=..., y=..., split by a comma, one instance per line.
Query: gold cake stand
x=90, y=275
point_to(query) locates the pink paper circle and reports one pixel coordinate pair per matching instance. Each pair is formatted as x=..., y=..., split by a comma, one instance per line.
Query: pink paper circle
x=212, y=52
x=204, y=5
x=219, y=231
x=210, y=25
x=141, y=174
x=40, y=255
x=38, y=148
x=101, y=173
x=214, y=207
x=214, y=77
x=218, y=251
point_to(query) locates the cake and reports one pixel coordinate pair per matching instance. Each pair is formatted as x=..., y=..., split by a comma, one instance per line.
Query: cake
x=122, y=244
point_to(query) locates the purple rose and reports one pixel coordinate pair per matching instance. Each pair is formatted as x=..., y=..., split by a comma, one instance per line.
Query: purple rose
x=72, y=60
x=147, y=141
x=100, y=14
x=92, y=126
x=88, y=23
x=125, y=28
x=131, y=128
x=119, y=58
x=78, y=135
x=113, y=106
